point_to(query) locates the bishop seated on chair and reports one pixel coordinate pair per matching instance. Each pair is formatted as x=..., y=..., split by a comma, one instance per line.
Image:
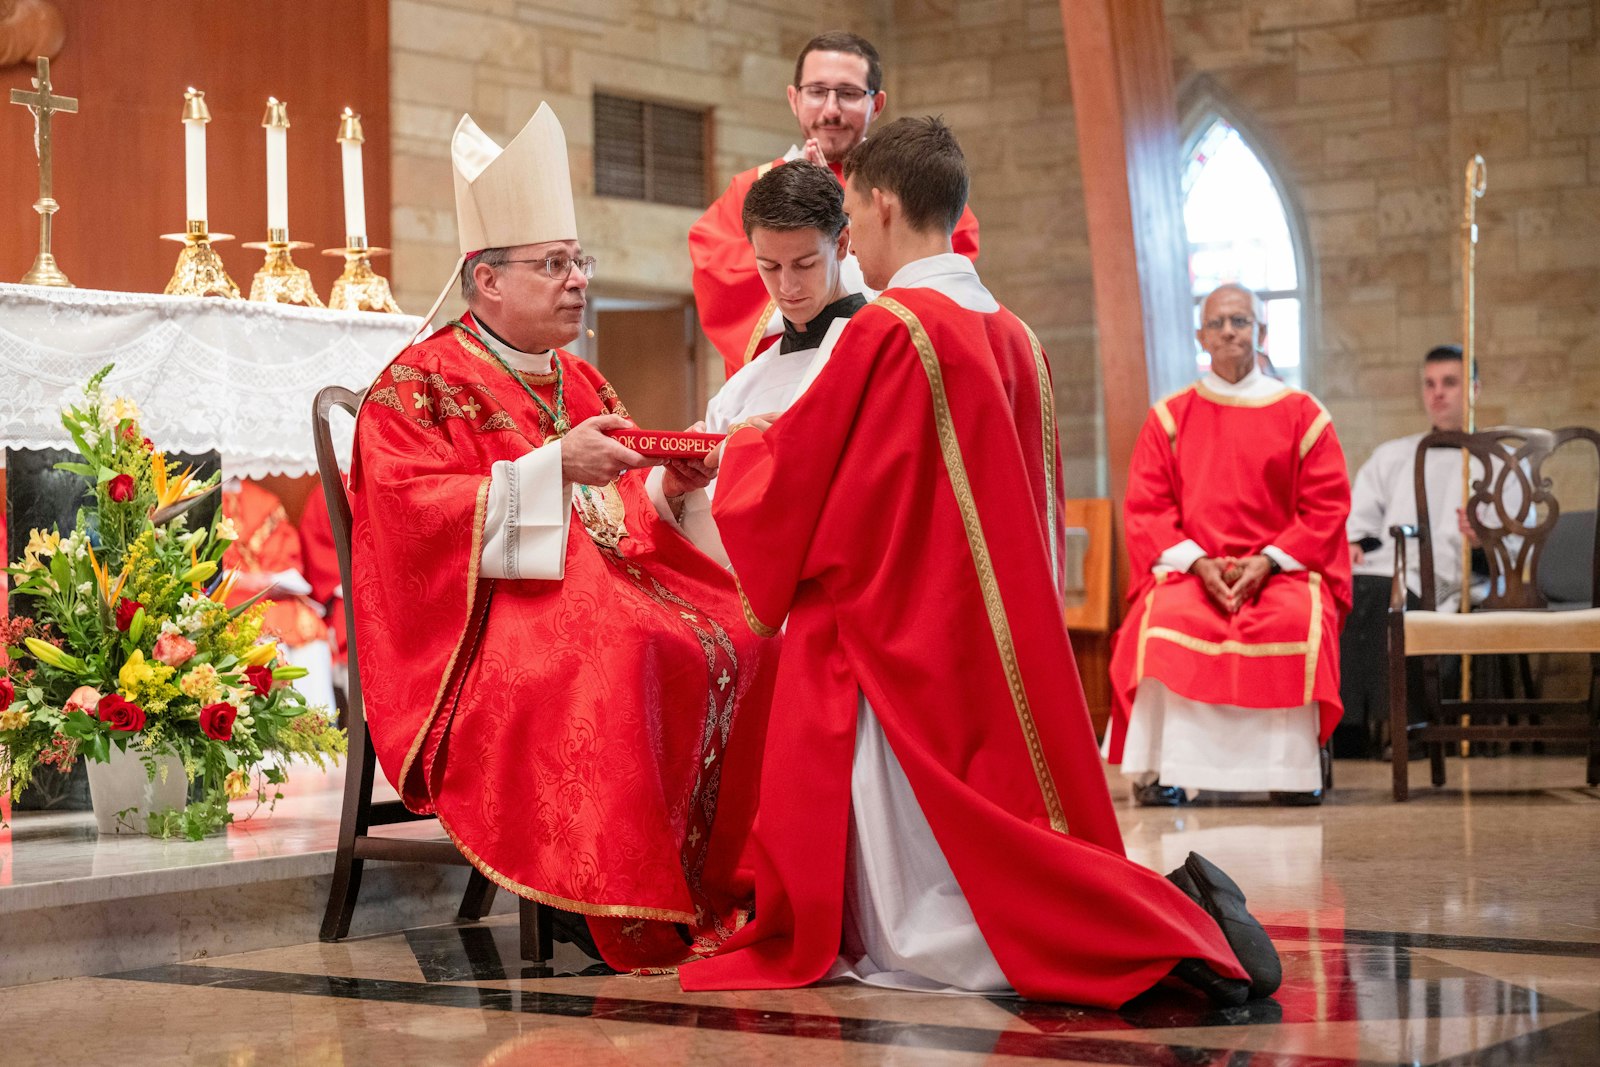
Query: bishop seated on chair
x=571, y=703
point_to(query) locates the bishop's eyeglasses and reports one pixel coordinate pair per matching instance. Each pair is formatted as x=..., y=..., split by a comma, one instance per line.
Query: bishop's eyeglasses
x=1238, y=322
x=847, y=95
x=559, y=265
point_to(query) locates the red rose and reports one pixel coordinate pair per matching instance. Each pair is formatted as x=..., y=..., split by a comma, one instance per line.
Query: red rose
x=149, y=445
x=120, y=714
x=130, y=432
x=260, y=679
x=8, y=692
x=120, y=488
x=216, y=721
x=126, y=610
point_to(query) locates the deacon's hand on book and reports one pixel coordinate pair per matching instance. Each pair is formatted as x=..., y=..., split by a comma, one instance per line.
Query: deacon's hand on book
x=589, y=457
x=763, y=422
x=681, y=476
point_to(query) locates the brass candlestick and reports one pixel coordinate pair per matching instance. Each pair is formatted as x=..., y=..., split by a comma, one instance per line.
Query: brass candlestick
x=43, y=104
x=360, y=288
x=279, y=281
x=200, y=271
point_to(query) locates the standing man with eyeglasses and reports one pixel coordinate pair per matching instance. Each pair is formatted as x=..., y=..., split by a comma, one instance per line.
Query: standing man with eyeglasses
x=563, y=695
x=1225, y=674
x=836, y=96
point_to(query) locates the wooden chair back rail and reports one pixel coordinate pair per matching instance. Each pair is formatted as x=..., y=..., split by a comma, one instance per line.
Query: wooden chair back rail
x=1512, y=487
x=360, y=813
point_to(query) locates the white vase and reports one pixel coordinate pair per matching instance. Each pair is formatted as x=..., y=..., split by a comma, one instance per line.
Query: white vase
x=123, y=783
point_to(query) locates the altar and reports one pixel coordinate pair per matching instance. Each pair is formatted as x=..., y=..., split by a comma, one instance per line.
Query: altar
x=232, y=375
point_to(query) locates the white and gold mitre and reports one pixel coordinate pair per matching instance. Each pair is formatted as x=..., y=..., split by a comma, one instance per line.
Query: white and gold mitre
x=518, y=195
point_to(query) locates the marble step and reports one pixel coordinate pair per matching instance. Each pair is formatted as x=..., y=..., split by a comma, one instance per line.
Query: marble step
x=75, y=903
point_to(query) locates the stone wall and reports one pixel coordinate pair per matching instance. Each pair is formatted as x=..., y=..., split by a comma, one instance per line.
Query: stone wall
x=1367, y=108
x=1370, y=110
x=997, y=71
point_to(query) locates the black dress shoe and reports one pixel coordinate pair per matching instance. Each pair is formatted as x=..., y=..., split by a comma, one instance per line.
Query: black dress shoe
x=1223, y=992
x=1296, y=800
x=1156, y=795
x=1223, y=900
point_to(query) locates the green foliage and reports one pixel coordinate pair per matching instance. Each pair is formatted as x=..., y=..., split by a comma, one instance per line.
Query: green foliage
x=180, y=648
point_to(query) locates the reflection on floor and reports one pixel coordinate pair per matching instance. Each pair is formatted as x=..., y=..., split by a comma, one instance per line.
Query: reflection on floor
x=1463, y=927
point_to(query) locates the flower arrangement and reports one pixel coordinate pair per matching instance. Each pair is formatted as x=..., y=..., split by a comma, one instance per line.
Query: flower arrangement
x=131, y=645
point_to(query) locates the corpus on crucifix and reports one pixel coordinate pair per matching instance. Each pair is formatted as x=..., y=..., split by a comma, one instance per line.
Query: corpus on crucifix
x=44, y=104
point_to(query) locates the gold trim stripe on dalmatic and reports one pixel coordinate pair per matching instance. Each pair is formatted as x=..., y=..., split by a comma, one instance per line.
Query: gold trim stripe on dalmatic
x=1047, y=417
x=950, y=448
x=1320, y=423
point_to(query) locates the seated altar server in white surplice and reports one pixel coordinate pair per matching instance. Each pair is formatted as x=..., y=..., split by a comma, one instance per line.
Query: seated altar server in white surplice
x=795, y=221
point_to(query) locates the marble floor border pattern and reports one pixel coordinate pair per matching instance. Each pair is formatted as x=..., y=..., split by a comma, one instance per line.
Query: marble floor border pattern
x=751, y=1021
x=1161, y=1031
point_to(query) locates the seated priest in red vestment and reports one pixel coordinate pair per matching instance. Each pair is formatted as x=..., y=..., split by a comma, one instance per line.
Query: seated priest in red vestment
x=794, y=220
x=1225, y=674
x=933, y=812
x=563, y=695
x=267, y=556
x=836, y=95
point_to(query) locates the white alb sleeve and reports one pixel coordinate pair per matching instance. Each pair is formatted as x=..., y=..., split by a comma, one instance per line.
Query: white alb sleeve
x=528, y=515
x=696, y=523
x=1180, y=557
x=1282, y=559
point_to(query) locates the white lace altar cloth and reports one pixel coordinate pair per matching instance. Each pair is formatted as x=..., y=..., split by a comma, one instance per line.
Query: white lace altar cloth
x=206, y=373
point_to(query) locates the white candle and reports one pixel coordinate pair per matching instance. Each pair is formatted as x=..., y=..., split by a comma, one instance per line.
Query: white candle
x=194, y=154
x=277, y=166
x=355, y=200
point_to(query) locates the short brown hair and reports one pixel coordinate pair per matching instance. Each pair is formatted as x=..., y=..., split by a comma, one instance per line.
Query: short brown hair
x=796, y=196
x=848, y=43
x=919, y=161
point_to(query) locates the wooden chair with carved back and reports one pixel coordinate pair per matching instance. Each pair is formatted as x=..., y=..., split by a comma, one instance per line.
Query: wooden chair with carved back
x=1513, y=511
x=361, y=813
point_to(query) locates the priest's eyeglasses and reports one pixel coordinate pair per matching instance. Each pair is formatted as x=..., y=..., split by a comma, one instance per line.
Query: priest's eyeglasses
x=560, y=265
x=1238, y=322
x=847, y=95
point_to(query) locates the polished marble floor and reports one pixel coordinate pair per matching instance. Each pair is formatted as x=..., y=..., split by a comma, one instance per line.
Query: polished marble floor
x=1460, y=928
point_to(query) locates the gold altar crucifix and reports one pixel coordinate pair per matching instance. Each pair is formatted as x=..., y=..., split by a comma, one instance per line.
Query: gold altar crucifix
x=43, y=103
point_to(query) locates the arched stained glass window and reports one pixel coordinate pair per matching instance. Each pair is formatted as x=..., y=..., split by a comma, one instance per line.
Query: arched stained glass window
x=1239, y=231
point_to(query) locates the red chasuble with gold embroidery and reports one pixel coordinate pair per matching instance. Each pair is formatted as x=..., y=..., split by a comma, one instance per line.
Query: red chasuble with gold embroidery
x=901, y=516
x=1236, y=475
x=572, y=734
x=731, y=299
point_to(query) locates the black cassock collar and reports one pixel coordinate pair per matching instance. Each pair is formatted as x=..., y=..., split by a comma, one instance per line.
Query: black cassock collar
x=796, y=338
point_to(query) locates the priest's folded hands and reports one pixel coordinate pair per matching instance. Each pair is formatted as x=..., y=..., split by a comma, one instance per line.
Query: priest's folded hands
x=1233, y=581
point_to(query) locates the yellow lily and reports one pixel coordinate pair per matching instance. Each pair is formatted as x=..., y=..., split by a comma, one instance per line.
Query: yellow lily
x=133, y=673
x=103, y=578
x=45, y=652
x=198, y=574
x=260, y=655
